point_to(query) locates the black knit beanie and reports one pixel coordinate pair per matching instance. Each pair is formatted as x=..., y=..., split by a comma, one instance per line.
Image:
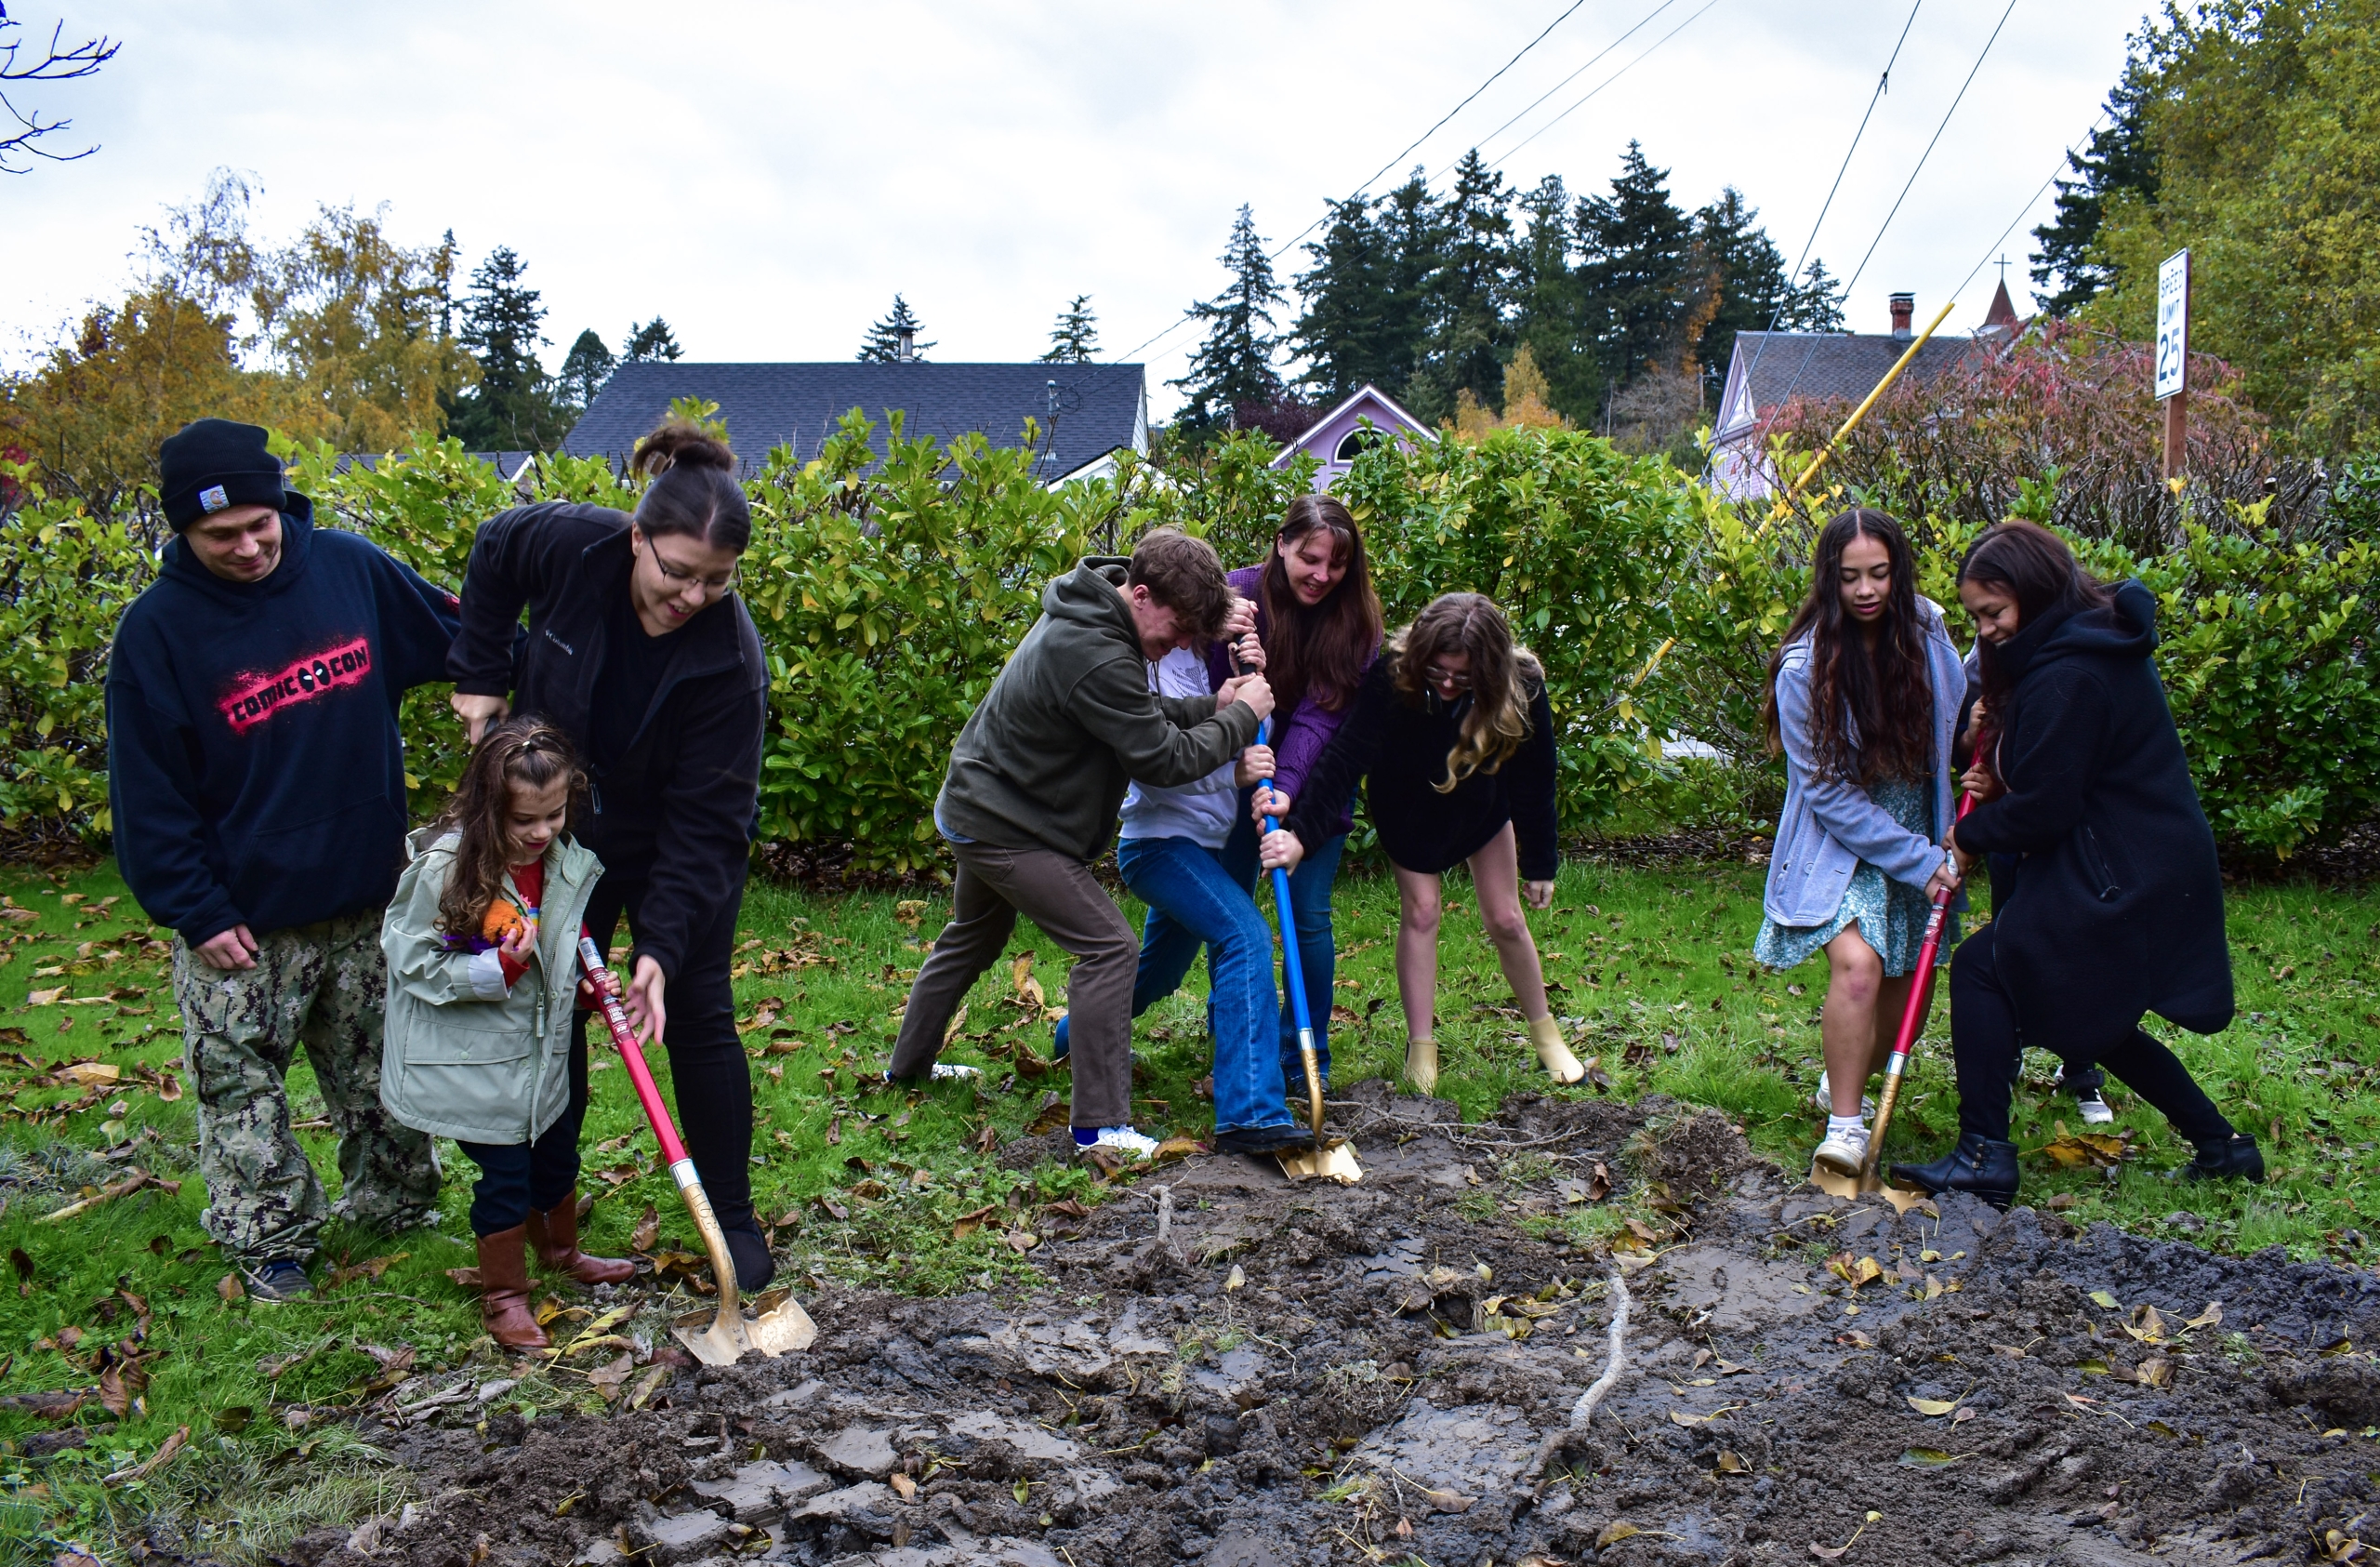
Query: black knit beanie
x=210, y=465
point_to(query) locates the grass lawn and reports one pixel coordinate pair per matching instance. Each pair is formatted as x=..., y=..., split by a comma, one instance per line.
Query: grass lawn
x=877, y=1187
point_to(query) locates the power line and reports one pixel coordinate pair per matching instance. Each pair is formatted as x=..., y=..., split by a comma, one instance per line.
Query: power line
x=2064, y=157
x=1598, y=88
x=1960, y=96
x=1441, y=124
x=1566, y=81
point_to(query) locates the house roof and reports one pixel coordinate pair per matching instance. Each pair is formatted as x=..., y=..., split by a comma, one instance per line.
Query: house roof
x=1768, y=368
x=1099, y=407
x=1366, y=394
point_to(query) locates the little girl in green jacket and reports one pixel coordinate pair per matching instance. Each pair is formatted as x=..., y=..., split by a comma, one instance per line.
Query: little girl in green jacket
x=482, y=942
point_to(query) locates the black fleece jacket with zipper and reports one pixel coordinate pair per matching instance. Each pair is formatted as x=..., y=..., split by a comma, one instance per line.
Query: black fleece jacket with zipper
x=2116, y=906
x=676, y=808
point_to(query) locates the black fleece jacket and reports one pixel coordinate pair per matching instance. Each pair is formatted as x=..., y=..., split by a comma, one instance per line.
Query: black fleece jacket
x=1402, y=751
x=2117, y=904
x=676, y=810
x=256, y=773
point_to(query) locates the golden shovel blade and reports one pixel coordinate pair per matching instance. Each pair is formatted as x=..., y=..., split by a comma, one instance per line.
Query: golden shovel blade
x=1331, y=1161
x=720, y=1337
x=1836, y=1184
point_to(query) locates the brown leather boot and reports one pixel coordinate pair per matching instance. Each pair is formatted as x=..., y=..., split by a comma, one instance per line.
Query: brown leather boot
x=555, y=1234
x=504, y=1291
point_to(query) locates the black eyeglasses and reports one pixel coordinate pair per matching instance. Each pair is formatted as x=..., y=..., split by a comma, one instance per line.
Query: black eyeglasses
x=711, y=585
x=1438, y=675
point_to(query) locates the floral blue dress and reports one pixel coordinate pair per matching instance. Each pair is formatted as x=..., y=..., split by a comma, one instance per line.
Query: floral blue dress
x=1890, y=914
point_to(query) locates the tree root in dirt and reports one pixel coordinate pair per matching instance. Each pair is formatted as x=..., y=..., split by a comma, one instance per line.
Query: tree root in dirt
x=1584, y=1410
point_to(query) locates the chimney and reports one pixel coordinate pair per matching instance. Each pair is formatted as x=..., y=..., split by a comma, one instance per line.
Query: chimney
x=1904, y=307
x=909, y=336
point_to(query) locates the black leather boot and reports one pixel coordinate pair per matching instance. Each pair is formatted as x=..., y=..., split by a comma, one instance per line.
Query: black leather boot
x=1980, y=1165
x=2235, y=1156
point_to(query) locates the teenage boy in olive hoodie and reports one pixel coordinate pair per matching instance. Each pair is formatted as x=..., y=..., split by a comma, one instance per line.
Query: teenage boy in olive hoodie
x=1033, y=787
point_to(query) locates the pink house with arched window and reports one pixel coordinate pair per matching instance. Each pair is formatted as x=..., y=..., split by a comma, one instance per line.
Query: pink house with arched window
x=1368, y=416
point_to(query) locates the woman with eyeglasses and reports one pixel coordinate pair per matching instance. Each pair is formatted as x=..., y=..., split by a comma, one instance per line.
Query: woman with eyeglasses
x=639, y=650
x=1454, y=737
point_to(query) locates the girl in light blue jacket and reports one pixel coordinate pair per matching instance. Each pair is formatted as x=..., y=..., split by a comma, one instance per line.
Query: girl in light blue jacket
x=1864, y=700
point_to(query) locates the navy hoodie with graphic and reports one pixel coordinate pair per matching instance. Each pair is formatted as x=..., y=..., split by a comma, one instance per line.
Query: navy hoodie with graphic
x=255, y=771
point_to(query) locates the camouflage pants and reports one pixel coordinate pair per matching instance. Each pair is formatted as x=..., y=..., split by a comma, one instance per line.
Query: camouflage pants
x=326, y=986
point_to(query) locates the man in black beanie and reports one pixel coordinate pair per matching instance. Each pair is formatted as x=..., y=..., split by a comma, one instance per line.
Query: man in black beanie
x=256, y=777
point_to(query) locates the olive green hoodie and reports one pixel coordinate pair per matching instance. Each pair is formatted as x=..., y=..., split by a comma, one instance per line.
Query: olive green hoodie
x=1071, y=721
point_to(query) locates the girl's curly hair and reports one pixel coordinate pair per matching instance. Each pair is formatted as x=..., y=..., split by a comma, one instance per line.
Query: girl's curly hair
x=1503, y=678
x=524, y=752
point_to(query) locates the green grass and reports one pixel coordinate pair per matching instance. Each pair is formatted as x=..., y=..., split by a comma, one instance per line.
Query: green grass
x=1653, y=962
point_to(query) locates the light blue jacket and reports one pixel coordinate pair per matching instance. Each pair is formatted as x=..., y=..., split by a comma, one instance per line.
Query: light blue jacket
x=462, y=1055
x=1830, y=825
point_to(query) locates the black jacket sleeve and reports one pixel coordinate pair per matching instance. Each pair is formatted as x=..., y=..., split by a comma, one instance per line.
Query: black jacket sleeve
x=706, y=816
x=516, y=557
x=160, y=835
x=1531, y=778
x=1351, y=755
x=2054, y=757
x=418, y=622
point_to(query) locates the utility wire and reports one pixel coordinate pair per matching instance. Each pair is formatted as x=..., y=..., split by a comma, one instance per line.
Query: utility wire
x=1623, y=71
x=2064, y=158
x=1809, y=352
x=1566, y=81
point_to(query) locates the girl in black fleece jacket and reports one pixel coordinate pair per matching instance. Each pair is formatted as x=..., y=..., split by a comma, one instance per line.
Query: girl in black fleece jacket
x=2115, y=909
x=1452, y=729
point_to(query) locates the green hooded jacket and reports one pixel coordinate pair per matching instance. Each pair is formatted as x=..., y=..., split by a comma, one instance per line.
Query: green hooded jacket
x=1070, y=722
x=462, y=1056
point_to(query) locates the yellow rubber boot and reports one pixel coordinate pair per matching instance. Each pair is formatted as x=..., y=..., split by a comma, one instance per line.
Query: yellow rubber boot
x=1555, y=1056
x=1422, y=1065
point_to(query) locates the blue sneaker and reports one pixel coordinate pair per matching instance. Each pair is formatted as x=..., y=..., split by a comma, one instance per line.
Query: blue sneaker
x=278, y=1280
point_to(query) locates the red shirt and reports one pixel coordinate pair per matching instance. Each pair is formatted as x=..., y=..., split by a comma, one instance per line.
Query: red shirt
x=531, y=880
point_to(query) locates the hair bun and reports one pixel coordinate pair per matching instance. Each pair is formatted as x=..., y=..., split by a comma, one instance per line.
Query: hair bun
x=677, y=442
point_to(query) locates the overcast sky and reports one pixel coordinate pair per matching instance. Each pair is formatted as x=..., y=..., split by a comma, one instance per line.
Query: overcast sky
x=765, y=176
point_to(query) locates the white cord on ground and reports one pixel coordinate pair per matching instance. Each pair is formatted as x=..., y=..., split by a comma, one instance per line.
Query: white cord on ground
x=1616, y=1363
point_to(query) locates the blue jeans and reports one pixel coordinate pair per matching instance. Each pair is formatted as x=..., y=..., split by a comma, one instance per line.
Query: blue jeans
x=1193, y=901
x=1317, y=949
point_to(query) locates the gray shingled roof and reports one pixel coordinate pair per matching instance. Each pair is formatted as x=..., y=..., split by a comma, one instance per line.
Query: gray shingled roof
x=763, y=405
x=1823, y=365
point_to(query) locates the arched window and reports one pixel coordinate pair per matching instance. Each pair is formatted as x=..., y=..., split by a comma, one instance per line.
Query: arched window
x=1357, y=441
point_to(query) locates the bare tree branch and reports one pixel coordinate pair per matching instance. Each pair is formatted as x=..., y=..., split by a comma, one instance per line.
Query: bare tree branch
x=55, y=63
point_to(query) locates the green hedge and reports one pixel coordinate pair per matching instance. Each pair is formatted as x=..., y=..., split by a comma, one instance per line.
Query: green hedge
x=888, y=590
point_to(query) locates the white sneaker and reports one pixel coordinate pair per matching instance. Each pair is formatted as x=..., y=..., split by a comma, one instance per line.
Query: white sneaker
x=2095, y=1111
x=1119, y=1139
x=1825, y=1101
x=1845, y=1152
x=946, y=1070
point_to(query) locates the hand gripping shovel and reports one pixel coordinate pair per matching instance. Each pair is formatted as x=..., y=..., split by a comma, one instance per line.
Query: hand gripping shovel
x=1829, y=1181
x=1332, y=1158
x=780, y=1324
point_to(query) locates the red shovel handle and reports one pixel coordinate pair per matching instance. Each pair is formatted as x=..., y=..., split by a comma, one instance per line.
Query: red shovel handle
x=623, y=1035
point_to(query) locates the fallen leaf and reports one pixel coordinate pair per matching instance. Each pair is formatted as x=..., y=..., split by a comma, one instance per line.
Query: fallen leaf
x=230, y=1289
x=1965, y=1414
x=44, y=998
x=2094, y=1366
x=1613, y=1533
x=2209, y=1317
x=646, y=1385
x=1052, y=1115
x=902, y=1484
x=1729, y=1463
x=1176, y=1148
x=1021, y=1241
x=466, y=1277
x=1827, y=1553
x=371, y=1269
x=647, y=1233
x=2104, y=1298
x=1930, y=1458
x=1237, y=1278
x=1933, y=1406
x=2154, y=1372
x=987, y=1141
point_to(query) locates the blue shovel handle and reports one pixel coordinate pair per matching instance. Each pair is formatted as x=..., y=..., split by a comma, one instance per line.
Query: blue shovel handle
x=1291, y=968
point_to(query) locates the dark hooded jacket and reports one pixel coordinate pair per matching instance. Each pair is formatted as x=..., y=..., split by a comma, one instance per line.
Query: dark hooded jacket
x=675, y=810
x=2117, y=905
x=1071, y=721
x=256, y=773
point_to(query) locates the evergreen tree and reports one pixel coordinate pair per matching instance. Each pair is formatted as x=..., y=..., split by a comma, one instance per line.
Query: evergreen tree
x=1754, y=291
x=511, y=408
x=1816, y=305
x=1640, y=269
x=1550, y=307
x=1340, y=330
x=1076, y=337
x=585, y=369
x=883, y=344
x=1466, y=293
x=1235, y=364
x=652, y=340
x=2120, y=158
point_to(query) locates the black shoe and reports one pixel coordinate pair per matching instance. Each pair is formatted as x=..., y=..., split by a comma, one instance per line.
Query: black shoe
x=1978, y=1165
x=754, y=1266
x=1265, y=1140
x=2235, y=1156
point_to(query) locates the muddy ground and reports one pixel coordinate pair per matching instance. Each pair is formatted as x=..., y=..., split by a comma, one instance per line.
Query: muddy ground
x=1303, y=1374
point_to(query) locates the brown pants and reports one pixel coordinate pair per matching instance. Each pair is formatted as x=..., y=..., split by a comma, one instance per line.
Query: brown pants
x=1058, y=893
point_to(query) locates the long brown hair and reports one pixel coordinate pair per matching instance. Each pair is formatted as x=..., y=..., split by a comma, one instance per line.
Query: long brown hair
x=1502, y=673
x=1321, y=651
x=1871, y=714
x=694, y=491
x=525, y=752
x=2033, y=566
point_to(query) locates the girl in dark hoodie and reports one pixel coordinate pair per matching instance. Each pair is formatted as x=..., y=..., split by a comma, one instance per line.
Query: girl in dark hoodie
x=2116, y=906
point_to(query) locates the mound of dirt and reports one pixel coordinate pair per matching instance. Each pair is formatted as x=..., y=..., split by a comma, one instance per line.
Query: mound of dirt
x=1225, y=1368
